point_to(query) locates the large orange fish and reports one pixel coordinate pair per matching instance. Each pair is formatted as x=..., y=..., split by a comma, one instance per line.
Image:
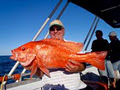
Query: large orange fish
x=52, y=53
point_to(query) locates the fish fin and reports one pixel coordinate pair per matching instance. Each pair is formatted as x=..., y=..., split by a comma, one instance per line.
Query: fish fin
x=33, y=69
x=97, y=59
x=45, y=70
x=41, y=66
x=69, y=45
x=73, y=46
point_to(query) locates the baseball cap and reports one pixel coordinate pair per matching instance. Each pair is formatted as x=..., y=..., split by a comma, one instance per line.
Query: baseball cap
x=56, y=23
x=113, y=33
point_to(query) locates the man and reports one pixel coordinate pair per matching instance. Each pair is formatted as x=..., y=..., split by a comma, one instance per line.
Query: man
x=115, y=51
x=101, y=44
x=60, y=79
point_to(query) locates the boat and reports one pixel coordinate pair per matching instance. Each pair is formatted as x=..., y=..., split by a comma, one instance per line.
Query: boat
x=107, y=10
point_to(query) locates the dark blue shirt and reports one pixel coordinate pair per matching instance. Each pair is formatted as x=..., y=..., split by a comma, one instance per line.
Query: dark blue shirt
x=100, y=45
x=114, y=50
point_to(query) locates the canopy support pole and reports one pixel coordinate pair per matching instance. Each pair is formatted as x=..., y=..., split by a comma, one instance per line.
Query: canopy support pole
x=89, y=30
x=92, y=34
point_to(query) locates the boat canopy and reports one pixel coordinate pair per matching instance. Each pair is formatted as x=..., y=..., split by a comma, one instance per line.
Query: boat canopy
x=108, y=10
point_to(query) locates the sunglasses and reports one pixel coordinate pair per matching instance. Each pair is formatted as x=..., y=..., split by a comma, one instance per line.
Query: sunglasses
x=58, y=28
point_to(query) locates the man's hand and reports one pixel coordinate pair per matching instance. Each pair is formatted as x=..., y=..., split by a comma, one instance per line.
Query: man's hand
x=73, y=66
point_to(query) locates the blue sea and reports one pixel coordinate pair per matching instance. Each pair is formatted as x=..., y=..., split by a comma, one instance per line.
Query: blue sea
x=6, y=65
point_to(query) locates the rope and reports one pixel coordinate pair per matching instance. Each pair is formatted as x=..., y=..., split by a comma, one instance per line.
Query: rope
x=1, y=87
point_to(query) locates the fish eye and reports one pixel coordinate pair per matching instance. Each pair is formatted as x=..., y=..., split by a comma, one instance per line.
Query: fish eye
x=23, y=48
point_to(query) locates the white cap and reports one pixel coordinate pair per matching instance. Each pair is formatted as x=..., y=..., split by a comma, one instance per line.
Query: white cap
x=113, y=33
x=56, y=23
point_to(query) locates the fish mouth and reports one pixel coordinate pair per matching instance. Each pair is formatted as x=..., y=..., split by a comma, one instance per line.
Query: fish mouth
x=14, y=56
x=21, y=60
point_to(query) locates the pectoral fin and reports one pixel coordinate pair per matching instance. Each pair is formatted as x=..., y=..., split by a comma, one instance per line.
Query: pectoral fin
x=33, y=69
x=41, y=66
x=45, y=70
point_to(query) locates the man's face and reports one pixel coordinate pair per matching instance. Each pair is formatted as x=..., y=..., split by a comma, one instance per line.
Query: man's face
x=112, y=38
x=98, y=35
x=57, y=32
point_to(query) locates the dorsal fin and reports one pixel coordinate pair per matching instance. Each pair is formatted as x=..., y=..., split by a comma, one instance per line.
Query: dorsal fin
x=72, y=46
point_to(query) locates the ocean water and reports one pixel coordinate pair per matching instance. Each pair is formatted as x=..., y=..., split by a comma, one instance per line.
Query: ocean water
x=6, y=65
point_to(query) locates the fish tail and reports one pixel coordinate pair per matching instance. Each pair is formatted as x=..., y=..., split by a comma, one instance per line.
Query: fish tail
x=96, y=59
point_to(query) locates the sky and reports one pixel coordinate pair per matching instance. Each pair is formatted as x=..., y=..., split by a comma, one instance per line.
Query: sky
x=20, y=20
